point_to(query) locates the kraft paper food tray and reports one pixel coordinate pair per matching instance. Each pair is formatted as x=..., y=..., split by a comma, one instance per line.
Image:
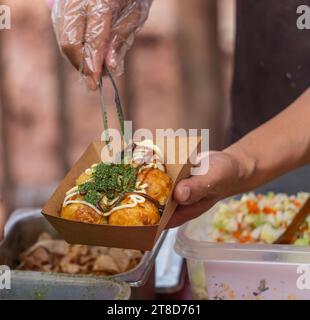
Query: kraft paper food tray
x=74, y=232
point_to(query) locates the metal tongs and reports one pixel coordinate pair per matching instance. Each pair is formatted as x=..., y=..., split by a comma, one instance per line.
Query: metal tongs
x=104, y=108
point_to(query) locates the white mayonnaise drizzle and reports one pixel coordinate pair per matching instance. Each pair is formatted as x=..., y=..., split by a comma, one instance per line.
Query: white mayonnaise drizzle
x=149, y=144
x=69, y=196
x=155, y=165
x=158, y=166
x=141, y=153
x=135, y=198
x=90, y=170
x=67, y=201
x=144, y=186
x=74, y=189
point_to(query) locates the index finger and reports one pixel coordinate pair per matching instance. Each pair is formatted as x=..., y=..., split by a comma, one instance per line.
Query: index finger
x=69, y=19
x=97, y=35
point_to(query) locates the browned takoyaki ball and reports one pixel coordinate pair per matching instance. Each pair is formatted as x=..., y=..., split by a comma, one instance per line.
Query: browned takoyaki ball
x=159, y=184
x=81, y=212
x=143, y=214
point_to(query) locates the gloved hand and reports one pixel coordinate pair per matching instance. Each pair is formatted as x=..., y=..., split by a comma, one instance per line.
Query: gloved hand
x=91, y=32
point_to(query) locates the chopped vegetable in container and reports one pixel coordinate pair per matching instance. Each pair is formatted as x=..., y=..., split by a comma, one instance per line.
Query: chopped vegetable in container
x=258, y=219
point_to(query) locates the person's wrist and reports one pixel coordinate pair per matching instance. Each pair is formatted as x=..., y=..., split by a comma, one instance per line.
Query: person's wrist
x=245, y=165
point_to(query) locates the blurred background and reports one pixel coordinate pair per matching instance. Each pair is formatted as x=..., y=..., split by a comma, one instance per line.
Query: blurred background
x=177, y=76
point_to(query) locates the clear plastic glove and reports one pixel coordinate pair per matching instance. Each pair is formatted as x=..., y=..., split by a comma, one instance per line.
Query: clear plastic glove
x=91, y=32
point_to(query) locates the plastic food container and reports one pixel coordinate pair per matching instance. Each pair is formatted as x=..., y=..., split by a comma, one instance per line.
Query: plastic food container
x=242, y=272
x=22, y=231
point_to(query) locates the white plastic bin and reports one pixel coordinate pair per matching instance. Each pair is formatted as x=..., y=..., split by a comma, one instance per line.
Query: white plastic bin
x=244, y=272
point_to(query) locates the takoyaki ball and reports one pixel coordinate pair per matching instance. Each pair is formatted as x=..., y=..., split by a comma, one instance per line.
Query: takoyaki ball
x=143, y=214
x=84, y=177
x=81, y=212
x=159, y=184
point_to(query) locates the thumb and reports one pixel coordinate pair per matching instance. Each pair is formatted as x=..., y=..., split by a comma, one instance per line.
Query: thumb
x=192, y=190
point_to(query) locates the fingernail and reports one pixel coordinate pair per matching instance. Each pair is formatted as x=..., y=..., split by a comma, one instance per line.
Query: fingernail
x=185, y=194
x=112, y=63
x=91, y=84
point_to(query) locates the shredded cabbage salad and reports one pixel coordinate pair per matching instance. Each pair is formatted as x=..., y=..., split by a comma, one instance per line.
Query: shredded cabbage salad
x=258, y=219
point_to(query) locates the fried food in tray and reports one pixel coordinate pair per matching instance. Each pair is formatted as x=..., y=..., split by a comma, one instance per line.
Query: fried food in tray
x=50, y=255
x=133, y=193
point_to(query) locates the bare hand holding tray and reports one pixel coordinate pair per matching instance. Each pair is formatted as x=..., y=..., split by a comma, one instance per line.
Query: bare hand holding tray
x=74, y=232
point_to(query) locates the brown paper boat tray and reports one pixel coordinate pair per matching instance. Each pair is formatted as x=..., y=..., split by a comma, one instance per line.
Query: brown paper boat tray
x=74, y=232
